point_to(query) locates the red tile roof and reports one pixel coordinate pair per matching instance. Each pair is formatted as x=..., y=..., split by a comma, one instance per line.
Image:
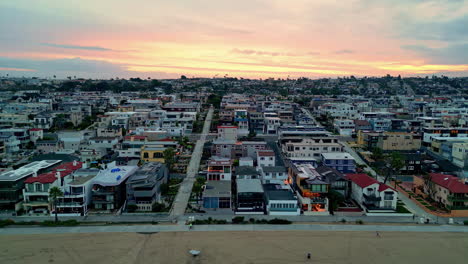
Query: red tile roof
x=363, y=180
x=266, y=153
x=35, y=129
x=449, y=182
x=166, y=139
x=49, y=177
x=135, y=137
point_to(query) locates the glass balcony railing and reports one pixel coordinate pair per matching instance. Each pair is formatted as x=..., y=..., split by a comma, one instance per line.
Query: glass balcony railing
x=453, y=198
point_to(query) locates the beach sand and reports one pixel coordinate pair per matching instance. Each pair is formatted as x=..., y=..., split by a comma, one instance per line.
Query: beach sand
x=237, y=247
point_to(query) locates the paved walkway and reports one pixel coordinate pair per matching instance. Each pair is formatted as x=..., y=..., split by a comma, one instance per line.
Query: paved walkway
x=184, y=228
x=183, y=195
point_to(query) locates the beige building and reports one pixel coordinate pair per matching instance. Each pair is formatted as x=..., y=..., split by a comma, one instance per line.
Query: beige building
x=460, y=154
x=399, y=141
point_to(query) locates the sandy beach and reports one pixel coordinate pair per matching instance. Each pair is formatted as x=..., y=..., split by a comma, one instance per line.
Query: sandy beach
x=237, y=247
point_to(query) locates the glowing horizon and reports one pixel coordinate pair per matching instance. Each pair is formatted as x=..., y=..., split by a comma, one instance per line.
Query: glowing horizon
x=249, y=39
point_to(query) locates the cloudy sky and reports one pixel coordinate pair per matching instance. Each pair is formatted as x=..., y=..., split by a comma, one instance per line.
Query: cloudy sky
x=242, y=38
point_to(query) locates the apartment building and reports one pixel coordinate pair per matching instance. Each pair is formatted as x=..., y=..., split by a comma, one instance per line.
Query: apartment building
x=399, y=141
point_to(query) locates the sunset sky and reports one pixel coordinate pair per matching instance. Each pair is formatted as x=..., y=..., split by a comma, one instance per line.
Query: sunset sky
x=242, y=38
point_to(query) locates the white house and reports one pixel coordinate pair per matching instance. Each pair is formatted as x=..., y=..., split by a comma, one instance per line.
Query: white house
x=77, y=193
x=266, y=158
x=372, y=195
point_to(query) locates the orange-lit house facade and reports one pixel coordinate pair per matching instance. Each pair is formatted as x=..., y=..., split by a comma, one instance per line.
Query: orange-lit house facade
x=310, y=189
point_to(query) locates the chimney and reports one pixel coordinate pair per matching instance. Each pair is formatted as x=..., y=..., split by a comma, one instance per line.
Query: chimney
x=75, y=163
x=34, y=174
x=58, y=175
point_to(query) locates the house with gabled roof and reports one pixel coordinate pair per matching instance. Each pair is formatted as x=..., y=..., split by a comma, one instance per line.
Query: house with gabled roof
x=372, y=195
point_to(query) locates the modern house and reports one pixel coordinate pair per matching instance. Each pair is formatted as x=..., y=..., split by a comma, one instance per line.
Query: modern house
x=372, y=195
x=279, y=201
x=249, y=197
x=342, y=162
x=109, y=189
x=77, y=193
x=144, y=186
x=12, y=183
x=311, y=189
x=217, y=195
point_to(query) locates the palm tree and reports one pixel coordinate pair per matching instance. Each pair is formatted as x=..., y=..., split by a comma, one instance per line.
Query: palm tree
x=54, y=194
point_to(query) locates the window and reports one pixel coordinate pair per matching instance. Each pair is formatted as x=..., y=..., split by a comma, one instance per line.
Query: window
x=145, y=155
x=388, y=196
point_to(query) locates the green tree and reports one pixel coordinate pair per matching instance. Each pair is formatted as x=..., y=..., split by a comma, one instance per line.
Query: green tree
x=377, y=154
x=335, y=199
x=169, y=157
x=54, y=194
x=394, y=163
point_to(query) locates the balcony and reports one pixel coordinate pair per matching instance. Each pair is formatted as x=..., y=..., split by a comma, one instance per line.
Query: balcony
x=454, y=198
x=371, y=198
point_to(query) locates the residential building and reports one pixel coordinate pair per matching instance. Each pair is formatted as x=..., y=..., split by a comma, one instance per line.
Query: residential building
x=344, y=127
x=12, y=183
x=280, y=201
x=217, y=195
x=311, y=147
x=342, y=162
x=37, y=187
x=452, y=132
x=266, y=158
x=219, y=169
x=449, y=191
x=109, y=188
x=460, y=154
x=310, y=188
x=152, y=154
x=227, y=132
x=77, y=193
x=247, y=172
x=372, y=195
x=144, y=186
x=249, y=197
x=399, y=141
x=273, y=174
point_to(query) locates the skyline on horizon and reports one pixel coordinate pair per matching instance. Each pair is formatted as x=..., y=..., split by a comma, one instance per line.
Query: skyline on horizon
x=251, y=39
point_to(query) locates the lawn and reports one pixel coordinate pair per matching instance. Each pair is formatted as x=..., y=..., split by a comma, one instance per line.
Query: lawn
x=402, y=209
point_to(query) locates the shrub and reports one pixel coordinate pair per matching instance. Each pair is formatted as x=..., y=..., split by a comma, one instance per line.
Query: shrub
x=6, y=222
x=238, y=220
x=277, y=221
x=71, y=222
x=132, y=208
x=251, y=220
x=359, y=222
x=465, y=222
x=158, y=207
x=261, y=221
x=343, y=220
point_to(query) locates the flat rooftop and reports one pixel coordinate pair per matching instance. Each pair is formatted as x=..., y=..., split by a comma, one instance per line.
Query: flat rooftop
x=27, y=170
x=217, y=189
x=113, y=176
x=249, y=186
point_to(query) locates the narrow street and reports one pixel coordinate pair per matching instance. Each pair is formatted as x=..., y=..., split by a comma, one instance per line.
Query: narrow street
x=182, y=198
